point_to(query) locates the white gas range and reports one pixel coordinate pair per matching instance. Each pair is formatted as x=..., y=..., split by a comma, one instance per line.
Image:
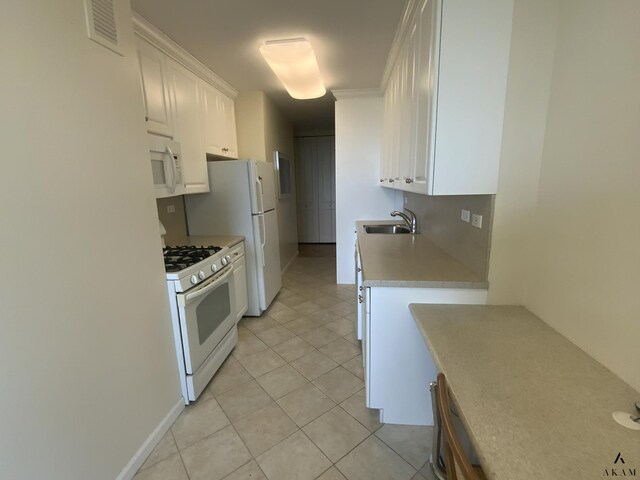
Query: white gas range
x=202, y=300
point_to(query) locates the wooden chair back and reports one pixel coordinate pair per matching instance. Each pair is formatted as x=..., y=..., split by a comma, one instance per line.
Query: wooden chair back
x=454, y=455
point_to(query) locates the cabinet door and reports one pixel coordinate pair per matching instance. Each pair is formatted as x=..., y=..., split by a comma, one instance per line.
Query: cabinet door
x=240, y=285
x=219, y=123
x=186, y=89
x=155, y=89
x=426, y=94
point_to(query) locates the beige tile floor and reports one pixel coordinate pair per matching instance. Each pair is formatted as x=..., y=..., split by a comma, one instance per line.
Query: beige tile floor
x=289, y=401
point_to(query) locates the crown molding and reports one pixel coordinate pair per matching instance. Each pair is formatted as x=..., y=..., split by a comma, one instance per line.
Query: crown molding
x=357, y=93
x=161, y=41
x=398, y=40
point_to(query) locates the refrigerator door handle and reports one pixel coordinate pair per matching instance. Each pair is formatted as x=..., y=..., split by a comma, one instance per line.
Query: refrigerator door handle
x=259, y=195
x=263, y=237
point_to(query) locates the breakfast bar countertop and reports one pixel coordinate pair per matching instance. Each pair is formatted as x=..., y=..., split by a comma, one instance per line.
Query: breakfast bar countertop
x=410, y=261
x=534, y=405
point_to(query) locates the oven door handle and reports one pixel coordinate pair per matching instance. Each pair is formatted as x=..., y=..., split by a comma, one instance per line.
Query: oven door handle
x=206, y=288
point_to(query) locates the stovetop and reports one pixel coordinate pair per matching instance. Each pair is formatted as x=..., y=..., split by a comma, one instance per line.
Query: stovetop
x=181, y=257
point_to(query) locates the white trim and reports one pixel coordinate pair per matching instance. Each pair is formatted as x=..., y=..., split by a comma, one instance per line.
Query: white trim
x=286, y=267
x=398, y=40
x=357, y=93
x=158, y=39
x=150, y=443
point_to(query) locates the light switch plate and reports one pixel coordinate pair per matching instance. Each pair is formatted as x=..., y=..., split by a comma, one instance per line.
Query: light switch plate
x=465, y=215
x=476, y=220
x=171, y=208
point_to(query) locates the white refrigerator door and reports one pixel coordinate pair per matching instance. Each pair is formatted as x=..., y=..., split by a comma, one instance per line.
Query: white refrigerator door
x=263, y=186
x=267, y=257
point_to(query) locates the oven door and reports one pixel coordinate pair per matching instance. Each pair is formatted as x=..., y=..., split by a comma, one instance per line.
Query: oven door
x=207, y=313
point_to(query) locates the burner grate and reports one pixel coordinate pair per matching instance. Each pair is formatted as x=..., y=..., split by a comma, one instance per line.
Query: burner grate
x=183, y=256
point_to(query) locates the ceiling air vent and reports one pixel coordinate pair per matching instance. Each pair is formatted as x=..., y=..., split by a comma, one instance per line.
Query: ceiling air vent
x=101, y=23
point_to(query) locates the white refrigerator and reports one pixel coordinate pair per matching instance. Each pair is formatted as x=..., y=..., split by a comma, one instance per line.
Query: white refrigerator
x=242, y=201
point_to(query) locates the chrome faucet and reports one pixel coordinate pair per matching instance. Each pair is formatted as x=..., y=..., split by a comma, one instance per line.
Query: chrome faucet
x=409, y=220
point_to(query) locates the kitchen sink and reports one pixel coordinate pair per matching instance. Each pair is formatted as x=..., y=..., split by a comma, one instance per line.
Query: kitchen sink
x=389, y=229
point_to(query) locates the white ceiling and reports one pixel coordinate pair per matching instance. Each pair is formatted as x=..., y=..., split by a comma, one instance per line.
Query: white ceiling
x=351, y=39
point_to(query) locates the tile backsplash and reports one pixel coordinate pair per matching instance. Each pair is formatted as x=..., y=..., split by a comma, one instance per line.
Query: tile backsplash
x=439, y=220
x=172, y=215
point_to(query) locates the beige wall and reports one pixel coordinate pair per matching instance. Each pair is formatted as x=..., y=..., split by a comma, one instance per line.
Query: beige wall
x=279, y=136
x=262, y=129
x=175, y=222
x=579, y=258
x=250, y=125
x=358, y=196
x=530, y=65
x=586, y=254
x=87, y=362
x=439, y=219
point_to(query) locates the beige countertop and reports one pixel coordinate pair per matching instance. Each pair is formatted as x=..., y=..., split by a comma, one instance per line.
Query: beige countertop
x=535, y=405
x=411, y=261
x=218, y=240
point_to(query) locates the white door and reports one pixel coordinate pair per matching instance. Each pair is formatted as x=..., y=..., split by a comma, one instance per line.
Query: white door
x=155, y=89
x=326, y=179
x=267, y=247
x=306, y=185
x=315, y=167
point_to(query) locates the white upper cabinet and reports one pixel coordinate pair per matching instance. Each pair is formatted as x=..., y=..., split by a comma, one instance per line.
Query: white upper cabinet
x=186, y=101
x=155, y=89
x=219, y=123
x=186, y=94
x=444, y=99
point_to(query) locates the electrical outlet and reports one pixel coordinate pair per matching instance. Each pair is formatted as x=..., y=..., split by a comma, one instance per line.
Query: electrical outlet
x=465, y=215
x=171, y=208
x=476, y=220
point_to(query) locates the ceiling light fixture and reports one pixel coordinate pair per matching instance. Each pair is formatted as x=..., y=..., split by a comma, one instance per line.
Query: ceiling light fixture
x=295, y=64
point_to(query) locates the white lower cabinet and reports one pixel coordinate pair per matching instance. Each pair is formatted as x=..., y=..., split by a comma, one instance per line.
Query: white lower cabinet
x=240, y=279
x=397, y=364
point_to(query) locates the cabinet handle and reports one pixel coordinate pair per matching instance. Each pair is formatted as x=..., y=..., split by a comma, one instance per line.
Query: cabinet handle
x=408, y=180
x=225, y=149
x=381, y=180
x=146, y=119
x=358, y=269
x=361, y=288
x=391, y=180
x=360, y=299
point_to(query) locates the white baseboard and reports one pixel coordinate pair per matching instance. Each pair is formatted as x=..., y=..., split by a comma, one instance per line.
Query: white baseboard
x=150, y=443
x=290, y=262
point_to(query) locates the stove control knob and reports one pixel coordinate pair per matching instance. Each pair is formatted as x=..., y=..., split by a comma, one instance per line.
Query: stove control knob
x=202, y=275
x=225, y=261
x=214, y=268
x=194, y=279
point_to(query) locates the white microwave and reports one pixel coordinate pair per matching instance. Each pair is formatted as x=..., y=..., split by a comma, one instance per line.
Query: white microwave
x=166, y=166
